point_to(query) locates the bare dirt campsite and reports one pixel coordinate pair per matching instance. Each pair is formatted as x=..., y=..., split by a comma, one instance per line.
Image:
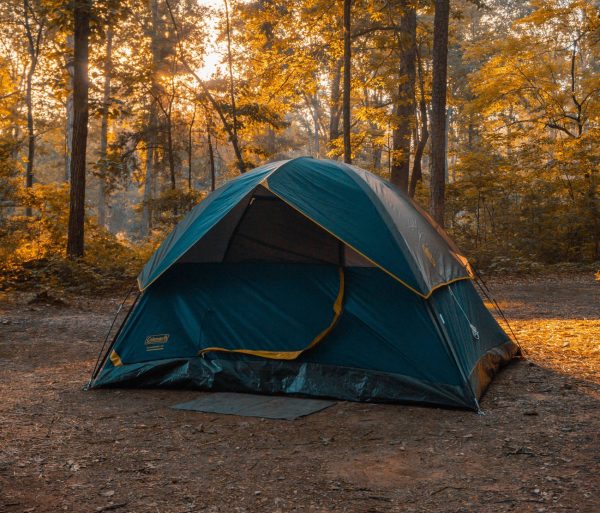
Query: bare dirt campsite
x=536, y=449
x=302, y=197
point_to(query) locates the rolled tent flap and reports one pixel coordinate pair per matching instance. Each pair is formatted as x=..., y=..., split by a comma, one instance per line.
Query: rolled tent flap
x=286, y=354
x=277, y=311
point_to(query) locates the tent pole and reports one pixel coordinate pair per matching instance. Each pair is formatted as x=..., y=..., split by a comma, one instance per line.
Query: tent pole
x=101, y=359
x=488, y=294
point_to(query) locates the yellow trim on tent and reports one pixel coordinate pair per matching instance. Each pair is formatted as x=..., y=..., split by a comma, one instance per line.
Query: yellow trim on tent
x=265, y=184
x=292, y=355
x=115, y=359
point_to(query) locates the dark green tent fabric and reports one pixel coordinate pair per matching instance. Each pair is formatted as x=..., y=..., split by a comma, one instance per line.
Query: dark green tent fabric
x=310, y=277
x=352, y=204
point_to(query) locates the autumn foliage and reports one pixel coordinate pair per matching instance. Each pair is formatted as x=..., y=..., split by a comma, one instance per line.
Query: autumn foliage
x=186, y=94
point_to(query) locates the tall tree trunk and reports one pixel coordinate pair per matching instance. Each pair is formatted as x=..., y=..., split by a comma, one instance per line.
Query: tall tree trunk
x=75, y=244
x=190, y=148
x=335, y=111
x=234, y=124
x=170, y=150
x=405, y=103
x=316, y=125
x=347, y=80
x=417, y=172
x=438, y=110
x=211, y=156
x=33, y=48
x=30, y=129
x=69, y=109
x=376, y=132
x=151, y=138
x=149, y=173
x=102, y=196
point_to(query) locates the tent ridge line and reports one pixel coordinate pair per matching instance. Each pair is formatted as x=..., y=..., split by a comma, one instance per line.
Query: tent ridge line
x=349, y=171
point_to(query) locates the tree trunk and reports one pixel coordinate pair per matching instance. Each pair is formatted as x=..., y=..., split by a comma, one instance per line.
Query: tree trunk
x=234, y=127
x=405, y=103
x=102, y=196
x=33, y=48
x=151, y=127
x=30, y=128
x=75, y=244
x=170, y=150
x=417, y=172
x=69, y=110
x=211, y=156
x=149, y=174
x=315, y=113
x=335, y=111
x=438, y=110
x=190, y=149
x=347, y=81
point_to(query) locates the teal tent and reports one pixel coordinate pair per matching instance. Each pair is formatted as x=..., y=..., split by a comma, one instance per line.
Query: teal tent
x=309, y=277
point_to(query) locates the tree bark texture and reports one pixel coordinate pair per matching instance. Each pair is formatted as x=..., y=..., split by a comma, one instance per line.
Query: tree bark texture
x=417, y=171
x=405, y=102
x=102, y=195
x=190, y=148
x=69, y=109
x=347, y=88
x=75, y=241
x=334, y=108
x=33, y=48
x=211, y=156
x=438, y=110
x=151, y=128
x=234, y=123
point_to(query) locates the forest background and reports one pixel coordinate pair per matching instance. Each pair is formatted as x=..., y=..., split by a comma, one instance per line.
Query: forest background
x=116, y=117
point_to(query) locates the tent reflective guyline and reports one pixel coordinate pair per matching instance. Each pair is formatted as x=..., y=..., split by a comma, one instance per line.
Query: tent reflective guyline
x=309, y=277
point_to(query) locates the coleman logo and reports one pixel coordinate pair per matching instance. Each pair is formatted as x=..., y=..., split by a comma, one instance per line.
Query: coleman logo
x=156, y=342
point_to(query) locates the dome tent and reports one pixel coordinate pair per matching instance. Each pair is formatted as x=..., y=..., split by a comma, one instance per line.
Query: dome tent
x=309, y=277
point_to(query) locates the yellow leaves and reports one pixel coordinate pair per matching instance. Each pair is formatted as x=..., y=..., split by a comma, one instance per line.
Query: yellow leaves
x=525, y=84
x=550, y=11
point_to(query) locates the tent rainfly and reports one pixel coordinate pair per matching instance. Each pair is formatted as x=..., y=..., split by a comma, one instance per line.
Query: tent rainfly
x=309, y=277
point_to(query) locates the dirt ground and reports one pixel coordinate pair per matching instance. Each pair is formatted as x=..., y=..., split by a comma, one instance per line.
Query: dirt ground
x=536, y=449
